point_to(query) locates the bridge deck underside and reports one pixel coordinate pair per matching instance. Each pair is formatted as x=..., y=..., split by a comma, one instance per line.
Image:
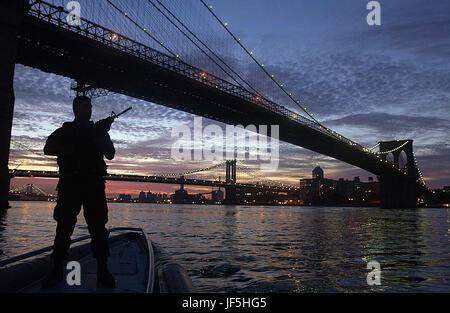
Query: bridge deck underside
x=63, y=52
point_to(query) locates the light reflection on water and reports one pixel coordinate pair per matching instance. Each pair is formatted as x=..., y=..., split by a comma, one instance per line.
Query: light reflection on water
x=272, y=249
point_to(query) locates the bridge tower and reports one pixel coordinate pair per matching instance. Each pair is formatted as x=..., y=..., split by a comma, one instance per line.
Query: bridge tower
x=11, y=16
x=230, y=179
x=230, y=175
x=399, y=191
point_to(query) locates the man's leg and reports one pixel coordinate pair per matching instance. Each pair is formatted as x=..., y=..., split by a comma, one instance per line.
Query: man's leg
x=66, y=210
x=96, y=216
x=64, y=230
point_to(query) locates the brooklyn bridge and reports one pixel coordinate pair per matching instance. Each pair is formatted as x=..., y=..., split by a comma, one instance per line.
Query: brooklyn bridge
x=160, y=52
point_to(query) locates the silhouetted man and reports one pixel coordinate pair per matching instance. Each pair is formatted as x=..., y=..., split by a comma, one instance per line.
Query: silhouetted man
x=80, y=146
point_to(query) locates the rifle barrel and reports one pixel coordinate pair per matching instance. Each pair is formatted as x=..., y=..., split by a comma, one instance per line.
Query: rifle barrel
x=124, y=111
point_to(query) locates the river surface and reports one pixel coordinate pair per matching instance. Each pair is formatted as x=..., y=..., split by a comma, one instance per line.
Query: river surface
x=272, y=249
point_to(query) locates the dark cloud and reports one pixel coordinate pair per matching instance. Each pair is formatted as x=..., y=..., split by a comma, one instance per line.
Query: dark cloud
x=396, y=123
x=421, y=28
x=339, y=83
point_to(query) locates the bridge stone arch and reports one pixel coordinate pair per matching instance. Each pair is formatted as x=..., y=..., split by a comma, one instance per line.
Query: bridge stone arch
x=389, y=157
x=396, y=147
x=403, y=160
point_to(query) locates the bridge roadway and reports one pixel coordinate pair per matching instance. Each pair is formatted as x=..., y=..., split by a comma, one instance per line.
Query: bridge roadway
x=102, y=58
x=163, y=180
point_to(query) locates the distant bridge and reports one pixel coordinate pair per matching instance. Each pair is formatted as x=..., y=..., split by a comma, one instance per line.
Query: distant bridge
x=234, y=188
x=161, y=180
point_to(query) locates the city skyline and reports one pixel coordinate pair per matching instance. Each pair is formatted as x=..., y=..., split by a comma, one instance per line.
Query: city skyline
x=114, y=188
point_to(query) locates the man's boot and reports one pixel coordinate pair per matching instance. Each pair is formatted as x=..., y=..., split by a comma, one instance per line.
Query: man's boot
x=104, y=276
x=55, y=276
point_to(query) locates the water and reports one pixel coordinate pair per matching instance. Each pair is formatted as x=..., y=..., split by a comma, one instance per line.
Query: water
x=272, y=249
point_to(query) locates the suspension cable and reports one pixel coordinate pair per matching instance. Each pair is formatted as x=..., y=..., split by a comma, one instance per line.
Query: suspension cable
x=194, y=171
x=374, y=147
x=160, y=43
x=260, y=177
x=207, y=47
x=190, y=39
x=297, y=102
x=392, y=150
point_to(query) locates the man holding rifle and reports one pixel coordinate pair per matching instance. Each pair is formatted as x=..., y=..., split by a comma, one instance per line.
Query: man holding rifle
x=80, y=147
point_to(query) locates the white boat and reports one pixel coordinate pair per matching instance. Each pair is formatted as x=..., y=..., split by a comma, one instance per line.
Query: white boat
x=138, y=265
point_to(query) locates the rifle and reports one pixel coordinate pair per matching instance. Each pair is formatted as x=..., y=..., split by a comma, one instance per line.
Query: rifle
x=105, y=124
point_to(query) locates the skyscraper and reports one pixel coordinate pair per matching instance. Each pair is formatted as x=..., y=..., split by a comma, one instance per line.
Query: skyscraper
x=142, y=197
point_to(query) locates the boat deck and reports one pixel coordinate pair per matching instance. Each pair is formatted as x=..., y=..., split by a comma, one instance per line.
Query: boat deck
x=128, y=263
x=138, y=266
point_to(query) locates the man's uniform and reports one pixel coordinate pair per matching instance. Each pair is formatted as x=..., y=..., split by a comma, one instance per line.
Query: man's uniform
x=81, y=167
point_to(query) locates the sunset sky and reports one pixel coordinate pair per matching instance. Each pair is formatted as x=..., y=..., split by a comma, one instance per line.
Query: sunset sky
x=369, y=83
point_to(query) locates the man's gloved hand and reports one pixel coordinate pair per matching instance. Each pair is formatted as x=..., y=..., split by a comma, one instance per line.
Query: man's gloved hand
x=105, y=124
